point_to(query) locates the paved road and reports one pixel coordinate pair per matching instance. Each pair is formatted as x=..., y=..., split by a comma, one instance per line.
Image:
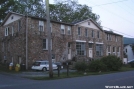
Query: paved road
x=87, y=82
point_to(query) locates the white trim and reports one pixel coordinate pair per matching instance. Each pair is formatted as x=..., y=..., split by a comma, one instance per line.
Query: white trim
x=99, y=42
x=90, y=42
x=80, y=41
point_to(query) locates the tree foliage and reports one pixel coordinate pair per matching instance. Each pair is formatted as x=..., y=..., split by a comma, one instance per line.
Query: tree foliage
x=63, y=10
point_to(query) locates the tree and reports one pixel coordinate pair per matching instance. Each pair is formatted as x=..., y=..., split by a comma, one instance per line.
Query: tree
x=70, y=11
x=5, y=6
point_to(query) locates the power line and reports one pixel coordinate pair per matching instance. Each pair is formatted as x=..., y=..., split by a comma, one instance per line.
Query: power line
x=109, y=3
x=117, y=31
x=116, y=14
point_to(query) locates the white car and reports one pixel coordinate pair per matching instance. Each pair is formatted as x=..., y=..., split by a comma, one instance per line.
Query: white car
x=42, y=65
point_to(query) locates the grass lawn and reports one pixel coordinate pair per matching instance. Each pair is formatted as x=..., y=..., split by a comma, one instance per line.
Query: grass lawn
x=79, y=74
x=5, y=68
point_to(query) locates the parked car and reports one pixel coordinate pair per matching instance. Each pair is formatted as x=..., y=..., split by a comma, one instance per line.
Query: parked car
x=59, y=64
x=43, y=65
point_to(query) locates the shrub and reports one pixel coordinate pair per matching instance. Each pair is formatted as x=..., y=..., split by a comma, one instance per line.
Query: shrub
x=113, y=63
x=80, y=66
x=97, y=65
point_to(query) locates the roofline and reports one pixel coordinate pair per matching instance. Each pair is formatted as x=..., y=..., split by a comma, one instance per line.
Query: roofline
x=50, y=20
x=92, y=21
x=112, y=33
x=9, y=13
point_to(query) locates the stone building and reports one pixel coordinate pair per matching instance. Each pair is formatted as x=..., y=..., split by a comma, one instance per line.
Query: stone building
x=25, y=37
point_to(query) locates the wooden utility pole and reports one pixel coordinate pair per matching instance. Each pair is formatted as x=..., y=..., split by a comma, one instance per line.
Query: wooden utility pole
x=49, y=39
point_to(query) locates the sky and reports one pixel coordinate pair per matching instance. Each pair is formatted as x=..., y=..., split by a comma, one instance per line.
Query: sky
x=115, y=15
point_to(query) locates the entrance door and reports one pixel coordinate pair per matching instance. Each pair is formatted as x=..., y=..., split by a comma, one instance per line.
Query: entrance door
x=90, y=53
x=69, y=53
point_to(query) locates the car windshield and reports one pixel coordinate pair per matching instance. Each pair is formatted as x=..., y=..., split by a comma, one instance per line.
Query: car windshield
x=36, y=63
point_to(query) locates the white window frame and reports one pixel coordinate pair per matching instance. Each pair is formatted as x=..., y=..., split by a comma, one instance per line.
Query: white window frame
x=12, y=30
x=19, y=25
x=108, y=50
x=6, y=31
x=79, y=31
x=69, y=30
x=86, y=32
x=41, y=24
x=92, y=33
x=46, y=48
x=62, y=29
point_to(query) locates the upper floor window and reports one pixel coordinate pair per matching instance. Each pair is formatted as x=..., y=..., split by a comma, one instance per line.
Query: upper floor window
x=12, y=30
x=69, y=30
x=88, y=23
x=79, y=31
x=98, y=34
x=109, y=37
x=116, y=38
x=62, y=29
x=6, y=31
x=86, y=32
x=92, y=33
x=41, y=26
x=19, y=25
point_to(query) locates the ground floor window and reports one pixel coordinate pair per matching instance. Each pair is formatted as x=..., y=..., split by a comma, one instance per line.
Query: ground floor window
x=99, y=50
x=80, y=48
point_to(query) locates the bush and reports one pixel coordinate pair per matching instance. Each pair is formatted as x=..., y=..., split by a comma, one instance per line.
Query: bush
x=80, y=66
x=113, y=63
x=97, y=65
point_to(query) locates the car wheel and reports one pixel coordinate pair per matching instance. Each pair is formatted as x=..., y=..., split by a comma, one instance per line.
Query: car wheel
x=44, y=69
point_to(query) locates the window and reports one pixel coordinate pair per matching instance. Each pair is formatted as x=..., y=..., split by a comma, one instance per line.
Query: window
x=109, y=48
x=12, y=30
x=92, y=33
x=62, y=29
x=118, y=49
x=45, y=44
x=41, y=26
x=80, y=48
x=90, y=45
x=69, y=45
x=113, y=49
x=98, y=34
x=116, y=38
x=6, y=31
x=109, y=37
x=69, y=30
x=79, y=31
x=86, y=32
x=19, y=25
x=99, y=50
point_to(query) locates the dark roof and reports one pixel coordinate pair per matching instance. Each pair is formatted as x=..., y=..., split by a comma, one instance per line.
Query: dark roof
x=111, y=32
x=128, y=40
x=50, y=20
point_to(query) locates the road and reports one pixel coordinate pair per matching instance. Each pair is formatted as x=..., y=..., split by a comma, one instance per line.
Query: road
x=86, y=82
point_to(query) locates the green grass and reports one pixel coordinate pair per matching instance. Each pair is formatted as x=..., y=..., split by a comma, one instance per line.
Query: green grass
x=80, y=74
x=4, y=68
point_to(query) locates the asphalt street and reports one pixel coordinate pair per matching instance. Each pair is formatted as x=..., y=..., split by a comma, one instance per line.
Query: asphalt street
x=87, y=82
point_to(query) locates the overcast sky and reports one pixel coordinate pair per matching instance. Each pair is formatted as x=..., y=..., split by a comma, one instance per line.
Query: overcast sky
x=118, y=15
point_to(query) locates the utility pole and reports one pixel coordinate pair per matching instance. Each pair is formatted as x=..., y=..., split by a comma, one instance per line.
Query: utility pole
x=49, y=39
x=27, y=39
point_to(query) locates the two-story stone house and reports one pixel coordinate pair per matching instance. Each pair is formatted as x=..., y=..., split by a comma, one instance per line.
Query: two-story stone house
x=25, y=38
x=113, y=44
